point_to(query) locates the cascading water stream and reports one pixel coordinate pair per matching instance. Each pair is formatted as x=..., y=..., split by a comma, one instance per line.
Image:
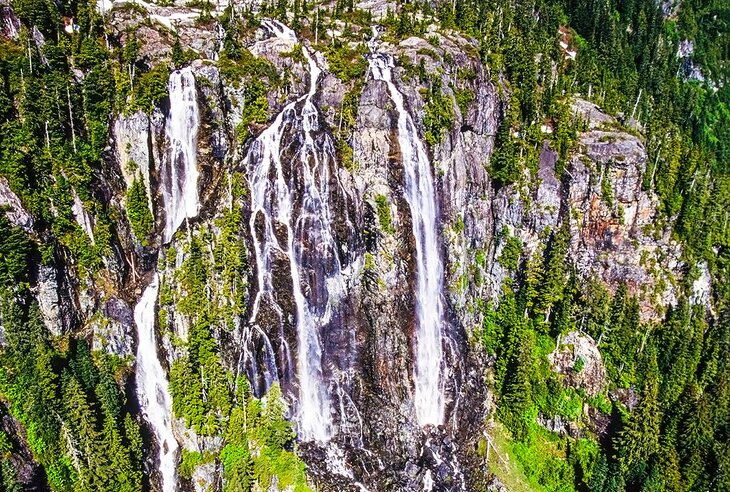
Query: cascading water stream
x=421, y=197
x=295, y=204
x=180, y=172
x=152, y=387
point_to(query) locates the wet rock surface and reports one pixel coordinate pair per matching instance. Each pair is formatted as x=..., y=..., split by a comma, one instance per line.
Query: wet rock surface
x=9, y=22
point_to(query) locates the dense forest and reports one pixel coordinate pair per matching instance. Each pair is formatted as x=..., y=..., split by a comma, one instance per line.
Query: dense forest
x=74, y=406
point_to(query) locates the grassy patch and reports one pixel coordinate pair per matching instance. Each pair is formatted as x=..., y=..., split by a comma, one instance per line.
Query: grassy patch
x=539, y=463
x=503, y=463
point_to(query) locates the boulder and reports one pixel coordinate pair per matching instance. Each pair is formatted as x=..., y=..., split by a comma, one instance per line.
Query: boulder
x=114, y=333
x=16, y=214
x=577, y=357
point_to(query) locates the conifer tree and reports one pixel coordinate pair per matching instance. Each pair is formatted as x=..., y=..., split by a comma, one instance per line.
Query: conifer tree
x=638, y=441
x=140, y=217
x=599, y=474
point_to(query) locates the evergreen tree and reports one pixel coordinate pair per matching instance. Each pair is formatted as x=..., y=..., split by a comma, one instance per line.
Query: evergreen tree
x=552, y=285
x=140, y=217
x=599, y=474
x=505, y=167
x=84, y=439
x=638, y=441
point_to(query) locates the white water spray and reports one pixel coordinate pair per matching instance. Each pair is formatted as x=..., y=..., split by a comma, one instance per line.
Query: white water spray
x=152, y=387
x=421, y=197
x=180, y=172
x=295, y=205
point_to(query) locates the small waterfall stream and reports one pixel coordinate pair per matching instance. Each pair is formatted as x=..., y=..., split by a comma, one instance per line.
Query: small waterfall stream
x=152, y=387
x=421, y=197
x=290, y=202
x=180, y=171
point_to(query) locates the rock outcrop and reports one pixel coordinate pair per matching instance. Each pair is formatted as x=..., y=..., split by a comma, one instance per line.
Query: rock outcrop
x=15, y=212
x=614, y=232
x=113, y=333
x=578, y=359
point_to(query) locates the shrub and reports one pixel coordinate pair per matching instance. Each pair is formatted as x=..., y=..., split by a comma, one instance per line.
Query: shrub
x=384, y=218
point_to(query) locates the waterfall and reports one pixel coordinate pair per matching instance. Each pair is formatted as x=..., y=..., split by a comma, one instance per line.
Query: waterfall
x=152, y=387
x=180, y=172
x=421, y=197
x=260, y=382
x=290, y=202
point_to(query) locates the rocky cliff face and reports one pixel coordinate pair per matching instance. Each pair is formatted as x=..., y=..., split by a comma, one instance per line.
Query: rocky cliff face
x=325, y=300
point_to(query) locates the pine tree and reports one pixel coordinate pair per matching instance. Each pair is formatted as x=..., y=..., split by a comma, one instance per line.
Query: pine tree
x=108, y=394
x=279, y=430
x=669, y=465
x=140, y=217
x=9, y=477
x=116, y=467
x=178, y=55
x=553, y=282
x=505, y=167
x=509, y=324
x=599, y=474
x=15, y=251
x=238, y=468
x=721, y=478
x=83, y=367
x=534, y=278
x=639, y=439
x=615, y=481
x=517, y=395
x=695, y=438
x=563, y=321
x=84, y=440
x=133, y=438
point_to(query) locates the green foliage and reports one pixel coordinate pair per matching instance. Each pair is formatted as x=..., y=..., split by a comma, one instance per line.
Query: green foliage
x=208, y=289
x=189, y=462
x=296, y=54
x=346, y=63
x=179, y=56
x=463, y=97
x=606, y=189
x=505, y=166
x=198, y=383
x=582, y=454
x=490, y=331
x=140, y=217
x=230, y=263
x=256, y=75
x=346, y=120
x=70, y=406
x=384, y=216
x=54, y=129
x=150, y=89
x=639, y=437
x=565, y=135
x=15, y=254
x=438, y=115
x=511, y=252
